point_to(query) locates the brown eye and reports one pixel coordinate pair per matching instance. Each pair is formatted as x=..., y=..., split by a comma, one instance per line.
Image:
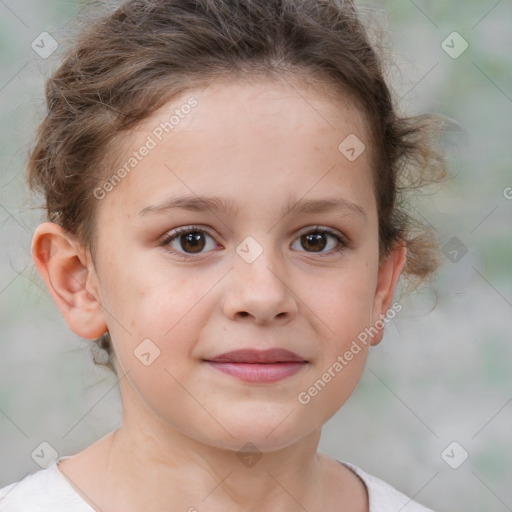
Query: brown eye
x=315, y=241
x=192, y=242
x=189, y=240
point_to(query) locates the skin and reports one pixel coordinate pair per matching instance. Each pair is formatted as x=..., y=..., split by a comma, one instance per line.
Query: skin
x=184, y=423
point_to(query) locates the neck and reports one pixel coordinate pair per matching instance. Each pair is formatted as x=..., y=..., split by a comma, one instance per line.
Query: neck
x=184, y=473
x=148, y=464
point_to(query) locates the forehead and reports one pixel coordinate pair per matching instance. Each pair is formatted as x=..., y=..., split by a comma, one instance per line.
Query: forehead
x=282, y=101
x=237, y=138
x=285, y=101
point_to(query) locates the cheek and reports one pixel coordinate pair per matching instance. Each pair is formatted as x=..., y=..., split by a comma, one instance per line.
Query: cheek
x=337, y=370
x=164, y=391
x=343, y=307
x=343, y=303
x=147, y=300
x=159, y=314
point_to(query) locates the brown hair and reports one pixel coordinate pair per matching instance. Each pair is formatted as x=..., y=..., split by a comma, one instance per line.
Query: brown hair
x=125, y=65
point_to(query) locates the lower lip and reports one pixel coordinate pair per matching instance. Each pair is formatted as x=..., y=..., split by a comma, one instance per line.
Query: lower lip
x=255, y=372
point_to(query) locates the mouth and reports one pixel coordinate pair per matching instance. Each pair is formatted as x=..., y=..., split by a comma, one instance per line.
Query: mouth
x=258, y=366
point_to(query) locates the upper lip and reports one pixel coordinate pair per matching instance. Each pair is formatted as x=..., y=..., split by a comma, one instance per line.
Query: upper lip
x=275, y=355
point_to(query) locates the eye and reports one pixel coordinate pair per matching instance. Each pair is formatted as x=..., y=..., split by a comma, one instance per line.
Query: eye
x=190, y=239
x=317, y=240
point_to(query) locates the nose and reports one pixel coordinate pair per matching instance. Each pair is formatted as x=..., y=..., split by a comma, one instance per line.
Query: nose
x=259, y=292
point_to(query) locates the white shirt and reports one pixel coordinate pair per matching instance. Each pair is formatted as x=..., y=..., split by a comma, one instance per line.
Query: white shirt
x=48, y=490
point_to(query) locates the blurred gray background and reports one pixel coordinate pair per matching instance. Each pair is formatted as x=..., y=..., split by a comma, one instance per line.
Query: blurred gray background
x=437, y=389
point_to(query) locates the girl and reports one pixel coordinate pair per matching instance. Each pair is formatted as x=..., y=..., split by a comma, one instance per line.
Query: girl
x=224, y=188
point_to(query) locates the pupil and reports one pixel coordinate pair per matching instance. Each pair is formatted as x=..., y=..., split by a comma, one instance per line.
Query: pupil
x=314, y=239
x=194, y=239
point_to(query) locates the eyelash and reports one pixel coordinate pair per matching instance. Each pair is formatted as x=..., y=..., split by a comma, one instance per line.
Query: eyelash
x=343, y=243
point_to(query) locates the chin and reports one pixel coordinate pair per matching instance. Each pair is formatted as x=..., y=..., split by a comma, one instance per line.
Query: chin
x=267, y=431
x=252, y=441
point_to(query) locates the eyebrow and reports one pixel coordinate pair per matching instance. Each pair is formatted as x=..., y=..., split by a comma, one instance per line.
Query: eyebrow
x=230, y=207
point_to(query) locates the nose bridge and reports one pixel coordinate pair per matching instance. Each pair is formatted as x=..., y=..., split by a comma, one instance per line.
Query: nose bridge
x=258, y=282
x=261, y=258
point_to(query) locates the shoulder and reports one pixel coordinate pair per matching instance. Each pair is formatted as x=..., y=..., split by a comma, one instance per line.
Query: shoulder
x=383, y=497
x=46, y=490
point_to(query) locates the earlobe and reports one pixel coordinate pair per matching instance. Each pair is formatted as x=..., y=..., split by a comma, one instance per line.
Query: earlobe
x=389, y=272
x=70, y=279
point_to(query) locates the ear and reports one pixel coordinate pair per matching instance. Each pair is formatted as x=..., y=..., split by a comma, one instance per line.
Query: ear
x=70, y=277
x=389, y=272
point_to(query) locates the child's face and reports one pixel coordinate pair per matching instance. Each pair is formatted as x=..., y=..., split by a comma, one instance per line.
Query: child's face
x=260, y=148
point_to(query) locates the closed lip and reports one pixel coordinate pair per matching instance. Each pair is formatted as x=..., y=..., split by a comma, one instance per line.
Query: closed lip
x=253, y=356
